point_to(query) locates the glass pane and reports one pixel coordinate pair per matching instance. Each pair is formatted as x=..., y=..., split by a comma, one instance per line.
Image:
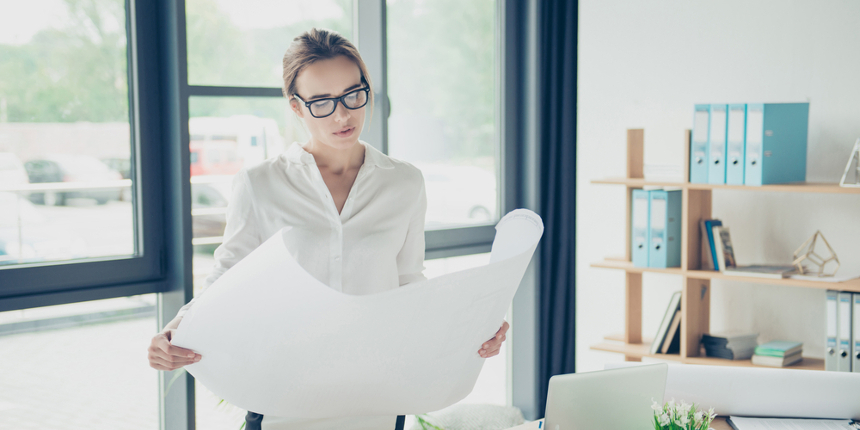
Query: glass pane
x=442, y=84
x=227, y=134
x=65, y=146
x=79, y=366
x=242, y=43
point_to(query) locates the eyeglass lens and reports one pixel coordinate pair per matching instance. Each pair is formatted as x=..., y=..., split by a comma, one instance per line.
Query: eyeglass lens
x=353, y=100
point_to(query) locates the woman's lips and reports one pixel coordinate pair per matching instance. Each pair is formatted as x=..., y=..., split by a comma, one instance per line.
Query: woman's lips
x=345, y=133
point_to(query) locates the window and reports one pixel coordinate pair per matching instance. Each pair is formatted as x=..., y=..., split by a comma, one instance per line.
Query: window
x=123, y=121
x=65, y=137
x=232, y=46
x=73, y=175
x=442, y=84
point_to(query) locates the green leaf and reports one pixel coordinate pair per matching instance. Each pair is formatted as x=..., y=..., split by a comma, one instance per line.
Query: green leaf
x=176, y=376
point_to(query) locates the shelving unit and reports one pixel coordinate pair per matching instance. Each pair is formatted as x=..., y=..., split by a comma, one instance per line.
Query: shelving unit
x=696, y=283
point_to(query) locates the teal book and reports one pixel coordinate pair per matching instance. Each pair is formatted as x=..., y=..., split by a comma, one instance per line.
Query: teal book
x=778, y=348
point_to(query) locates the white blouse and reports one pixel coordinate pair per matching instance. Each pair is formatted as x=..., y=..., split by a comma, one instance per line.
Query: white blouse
x=375, y=244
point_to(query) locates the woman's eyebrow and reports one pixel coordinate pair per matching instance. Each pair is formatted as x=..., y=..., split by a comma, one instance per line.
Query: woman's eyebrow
x=318, y=96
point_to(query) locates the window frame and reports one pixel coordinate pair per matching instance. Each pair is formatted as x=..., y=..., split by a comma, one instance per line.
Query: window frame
x=159, y=95
x=42, y=284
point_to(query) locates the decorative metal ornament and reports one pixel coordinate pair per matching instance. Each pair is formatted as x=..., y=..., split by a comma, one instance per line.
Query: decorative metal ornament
x=806, y=252
x=853, y=164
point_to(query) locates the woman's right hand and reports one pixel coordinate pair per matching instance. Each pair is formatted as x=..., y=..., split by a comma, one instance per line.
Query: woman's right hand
x=164, y=356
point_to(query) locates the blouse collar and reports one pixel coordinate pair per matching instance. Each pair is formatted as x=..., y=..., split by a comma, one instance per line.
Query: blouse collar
x=372, y=156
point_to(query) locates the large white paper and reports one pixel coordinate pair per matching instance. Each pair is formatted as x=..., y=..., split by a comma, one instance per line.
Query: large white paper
x=276, y=341
x=764, y=392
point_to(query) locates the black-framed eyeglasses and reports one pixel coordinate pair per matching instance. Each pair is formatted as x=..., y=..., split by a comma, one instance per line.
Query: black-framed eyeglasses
x=322, y=108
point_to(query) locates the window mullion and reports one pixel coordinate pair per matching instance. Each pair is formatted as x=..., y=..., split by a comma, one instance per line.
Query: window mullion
x=370, y=28
x=218, y=91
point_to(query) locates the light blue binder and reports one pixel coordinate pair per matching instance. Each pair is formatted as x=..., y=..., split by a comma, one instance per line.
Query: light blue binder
x=665, y=235
x=640, y=228
x=699, y=145
x=776, y=143
x=717, y=145
x=735, y=148
x=856, y=352
x=844, y=339
x=830, y=348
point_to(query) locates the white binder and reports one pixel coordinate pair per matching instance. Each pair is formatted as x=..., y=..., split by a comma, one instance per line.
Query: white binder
x=830, y=361
x=856, y=342
x=843, y=332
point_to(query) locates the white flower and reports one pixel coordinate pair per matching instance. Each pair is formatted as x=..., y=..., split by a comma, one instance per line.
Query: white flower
x=672, y=404
x=699, y=418
x=664, y=419
x=712, y=414
x=684, y=420
x=684, y=408
x=656, y=407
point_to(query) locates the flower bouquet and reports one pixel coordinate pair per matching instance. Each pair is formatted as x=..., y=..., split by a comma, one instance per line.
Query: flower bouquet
x=681, y=416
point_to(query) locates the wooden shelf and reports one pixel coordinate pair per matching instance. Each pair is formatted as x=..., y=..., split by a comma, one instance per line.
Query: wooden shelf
x=799, y=187
x=852, y=285
x=640, y=350
x=697, y=204
x=628, y=267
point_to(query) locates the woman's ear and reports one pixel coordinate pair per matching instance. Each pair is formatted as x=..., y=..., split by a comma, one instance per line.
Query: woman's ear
x=294, y=105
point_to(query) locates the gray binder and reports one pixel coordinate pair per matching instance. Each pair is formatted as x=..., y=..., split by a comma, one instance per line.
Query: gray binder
x=830, y=362
x=843, y=332
x=856, y=342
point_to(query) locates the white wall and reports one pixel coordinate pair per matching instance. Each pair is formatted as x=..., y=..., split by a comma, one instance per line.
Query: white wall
x=644, y=64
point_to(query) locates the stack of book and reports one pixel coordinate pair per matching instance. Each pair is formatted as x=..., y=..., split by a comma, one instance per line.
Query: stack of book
x=731, y=346
x=779, y=353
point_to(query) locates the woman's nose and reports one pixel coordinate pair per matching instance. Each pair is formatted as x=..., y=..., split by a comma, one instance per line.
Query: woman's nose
x=341, y=113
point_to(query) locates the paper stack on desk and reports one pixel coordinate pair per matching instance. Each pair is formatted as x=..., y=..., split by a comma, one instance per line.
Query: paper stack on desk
x=276, y=341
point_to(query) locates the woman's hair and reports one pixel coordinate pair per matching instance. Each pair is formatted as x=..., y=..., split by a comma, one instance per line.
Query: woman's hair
x=320, y=44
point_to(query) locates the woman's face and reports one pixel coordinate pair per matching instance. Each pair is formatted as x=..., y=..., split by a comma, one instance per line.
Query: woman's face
x=333, y=77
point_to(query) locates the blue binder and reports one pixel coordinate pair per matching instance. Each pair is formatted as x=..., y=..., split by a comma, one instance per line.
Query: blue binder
x=699, y=145
x=735, y=148
x=776, y=143
x=665, y=235
x=717, y=145
x=640, y=228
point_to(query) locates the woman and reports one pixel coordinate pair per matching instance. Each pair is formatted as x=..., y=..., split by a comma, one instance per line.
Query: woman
x=357, y=214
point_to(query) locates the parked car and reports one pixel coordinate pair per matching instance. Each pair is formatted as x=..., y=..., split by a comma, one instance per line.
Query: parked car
x=71, y=168
x=121, y=165
x=27, y=236
x=209, y=196
x=215, y=157
x=459, y=194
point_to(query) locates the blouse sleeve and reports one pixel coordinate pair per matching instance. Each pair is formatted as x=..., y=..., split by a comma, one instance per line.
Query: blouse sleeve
x=240, y=233
x=410, y=260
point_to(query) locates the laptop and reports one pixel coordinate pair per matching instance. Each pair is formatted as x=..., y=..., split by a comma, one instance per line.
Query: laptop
x=607, y=399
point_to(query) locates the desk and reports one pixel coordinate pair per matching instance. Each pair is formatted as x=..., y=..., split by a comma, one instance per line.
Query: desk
x=718, y=424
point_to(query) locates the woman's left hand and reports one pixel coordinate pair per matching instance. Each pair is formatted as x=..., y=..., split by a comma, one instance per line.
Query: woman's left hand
x=491, y=347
